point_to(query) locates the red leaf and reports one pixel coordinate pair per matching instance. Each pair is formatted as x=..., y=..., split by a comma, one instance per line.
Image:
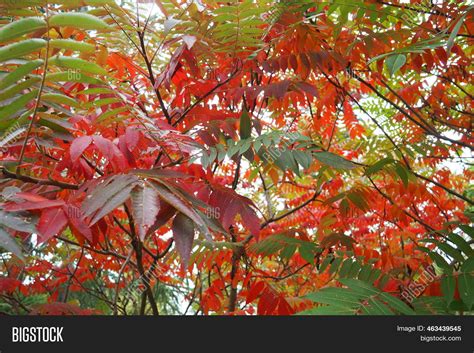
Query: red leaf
x=267, y=303
x=8, y=285
x=76, y=221
x=230, y=204
x=232, y=209
x=78, y=146
x=30, y=197
x=51, y=222
x=250, y=220
x=146, y=206
x=111, y=152
x=255, y=291
x=131, y=138
x=277, y=90
x=283, y=307
x=25, y=206
x=309, y=89
x=165, y=214
x=61, y=309
x=183, y=234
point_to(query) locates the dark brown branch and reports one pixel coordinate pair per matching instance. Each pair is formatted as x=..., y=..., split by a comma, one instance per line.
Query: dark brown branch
x=286, y=214
x=427, y=128
x=141, y=36
x=200, y=99
x=405, y=7
x=452, y=192
x=138, y=247
x=416, y=219
x=28, y=179
x=101, y=252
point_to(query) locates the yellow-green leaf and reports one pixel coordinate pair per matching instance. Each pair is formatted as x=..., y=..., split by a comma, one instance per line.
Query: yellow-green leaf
x=395, y=62
x=20, y=72
x=18, y=28
x=17, y=50
x=59, y=98
x=78, y=20
x=13, y=107
x=70, y=44
x=77, y=64
x=71, y=77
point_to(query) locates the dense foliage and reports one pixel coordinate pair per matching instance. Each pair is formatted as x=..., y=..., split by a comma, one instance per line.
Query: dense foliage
x=243, y=157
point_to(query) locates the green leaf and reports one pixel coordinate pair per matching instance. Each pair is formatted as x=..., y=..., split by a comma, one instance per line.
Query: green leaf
x=440, y=261
x=394, y=62
x=466, y=288
x=449, y=250
x=20, y=27
x=111, y=113
x=335, y=198
x=71, y=77
x=334, y=160
x=287, y=161
x=461, y=244
x=77, y=64
x=468, y=265
x=99, y=2
x=15, y=106
x=69, y=44
x=19, y=72
x=374, y=275
x=448, y=286
x=345, y=268
x=359, y=287
x=328, y=310
x=430, y=305
x=376, y=307
x=306, y=253
x=446, y=248
x=97, y=90
x=364, y=273
x=8, y=243
x=245, y=125
x=288, y=251
x=244, y=145
x=354, y=270
x=396, y=304
x=17, y=222
x=101, y=102
x=357, y=199
x=378, y=166
x=53, y=125
x=60, y=98
x=468, y=230
x=304, y=159
x=335, y=265
x=338, y=297
x=19, y=49
x=402, y=173
x=454, y=32
x=78, y=20
x=359, y=297
x=327, y=260
x=18, y=88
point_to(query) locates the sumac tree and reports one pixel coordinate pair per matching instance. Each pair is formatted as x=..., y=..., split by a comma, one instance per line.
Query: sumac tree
x=236, y=157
